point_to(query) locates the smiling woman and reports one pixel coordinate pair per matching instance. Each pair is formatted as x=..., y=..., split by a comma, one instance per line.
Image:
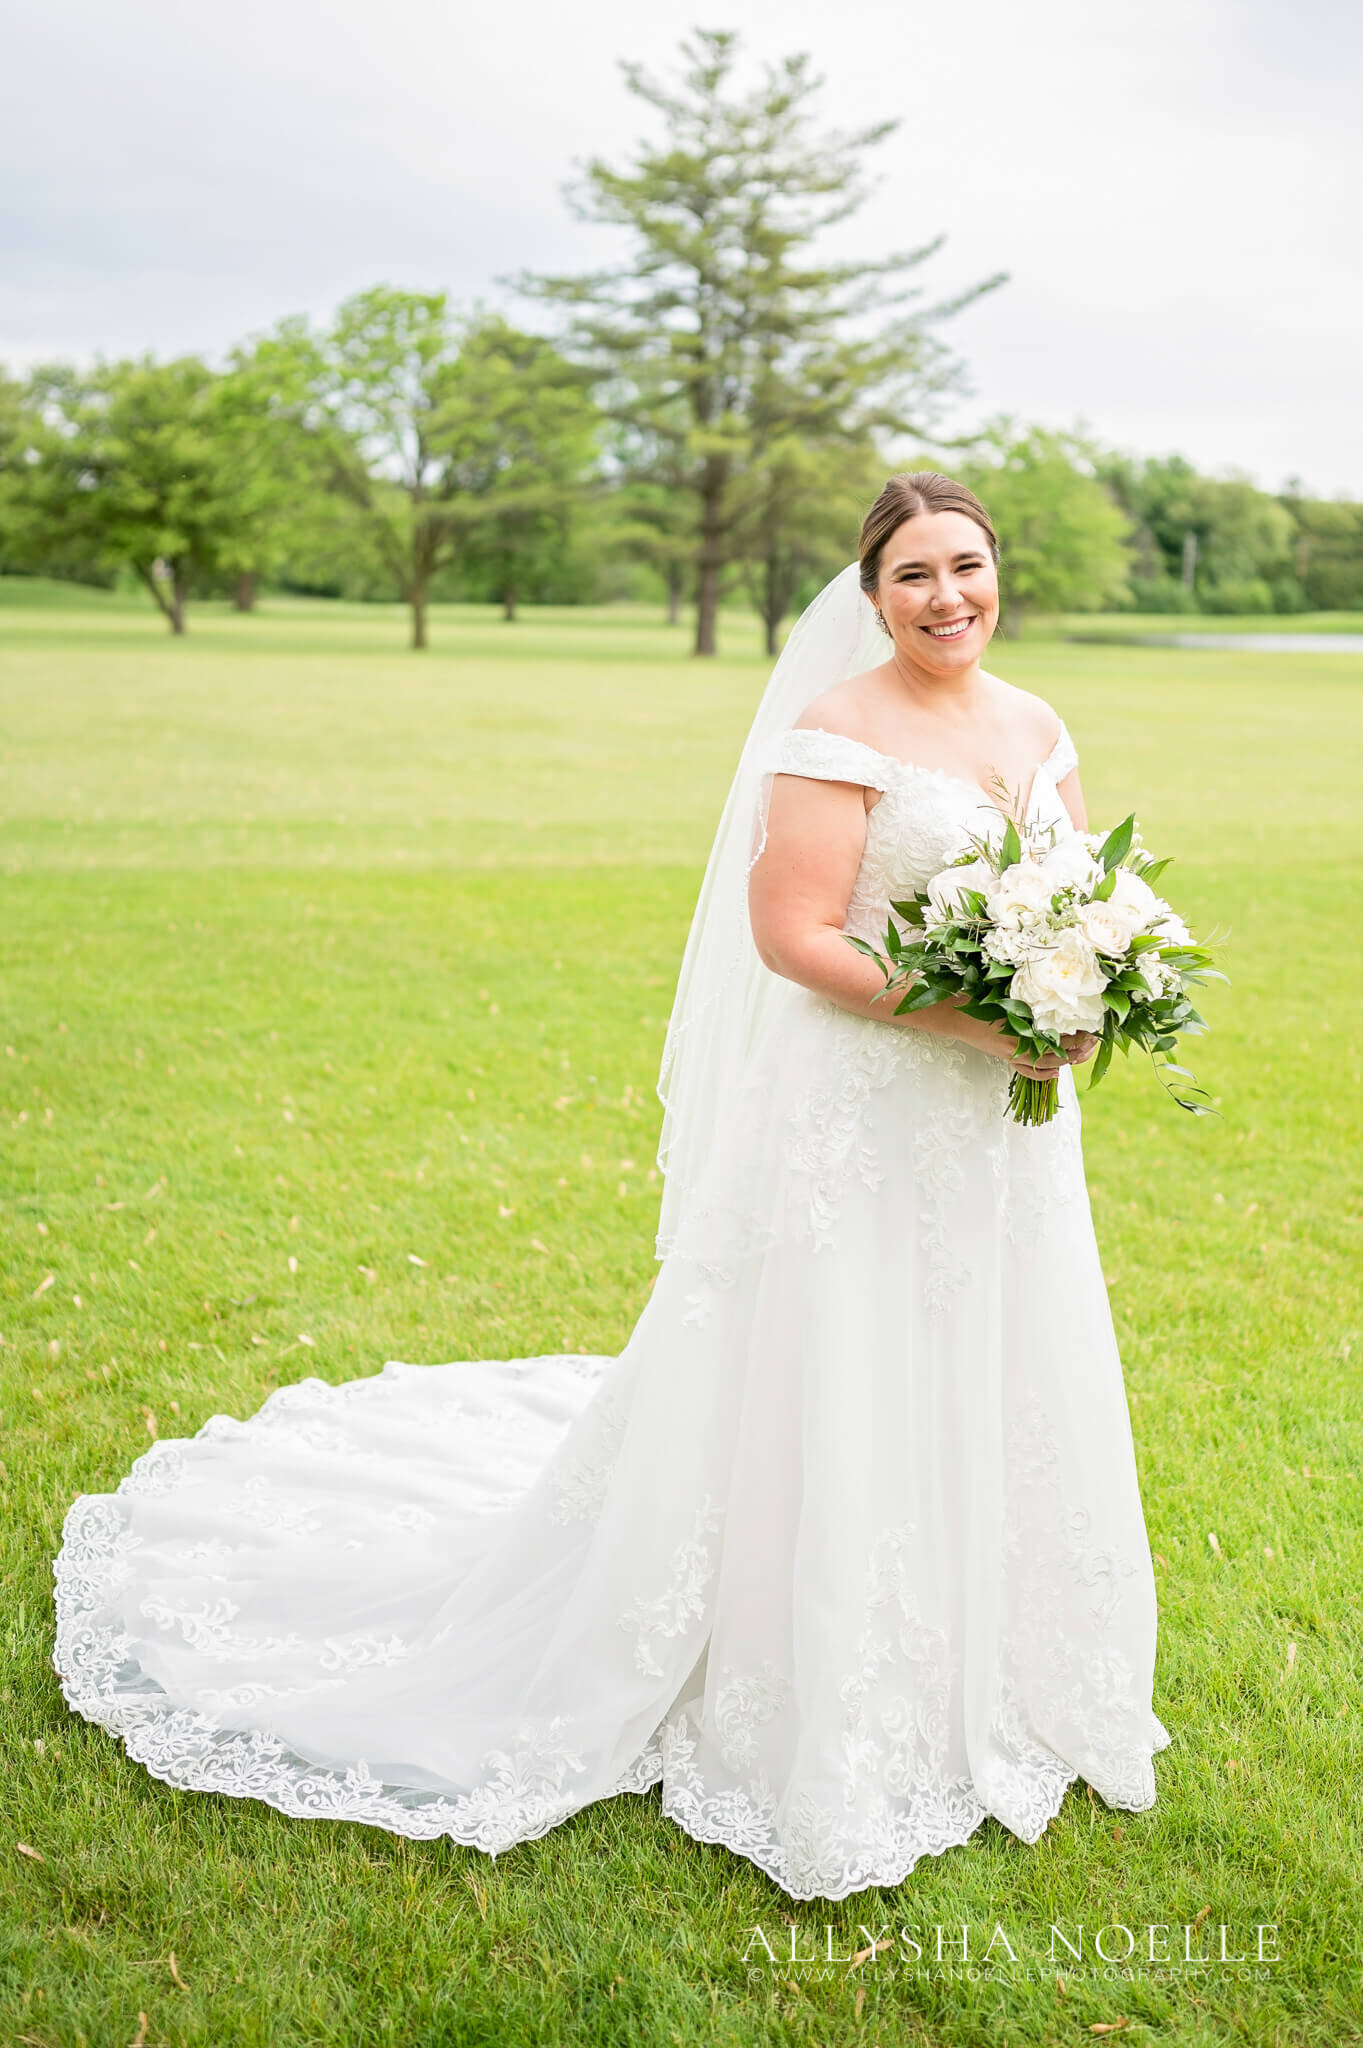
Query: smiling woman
x=845, y=1550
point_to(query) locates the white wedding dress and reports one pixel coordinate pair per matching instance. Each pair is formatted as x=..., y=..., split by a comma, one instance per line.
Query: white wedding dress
x=845, y=1551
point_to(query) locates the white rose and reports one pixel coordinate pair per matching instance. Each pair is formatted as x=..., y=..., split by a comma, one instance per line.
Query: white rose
x=1021, y=895
x=1134, y=897
x=946, y=890
x=1071, y=865
x=1107, y=930
x=1063, y=987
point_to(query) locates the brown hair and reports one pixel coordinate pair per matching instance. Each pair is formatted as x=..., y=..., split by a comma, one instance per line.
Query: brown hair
x=905, y=495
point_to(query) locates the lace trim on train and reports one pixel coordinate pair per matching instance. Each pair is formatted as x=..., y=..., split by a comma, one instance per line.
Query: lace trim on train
x=897, y=1804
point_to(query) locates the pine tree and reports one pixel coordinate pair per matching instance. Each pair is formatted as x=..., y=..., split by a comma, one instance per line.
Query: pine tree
x=722, y=304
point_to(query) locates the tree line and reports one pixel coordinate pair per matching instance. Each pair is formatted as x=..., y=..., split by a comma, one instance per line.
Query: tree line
x=708, y=416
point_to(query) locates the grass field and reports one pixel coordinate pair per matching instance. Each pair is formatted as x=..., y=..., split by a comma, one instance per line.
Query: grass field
x=320, y=959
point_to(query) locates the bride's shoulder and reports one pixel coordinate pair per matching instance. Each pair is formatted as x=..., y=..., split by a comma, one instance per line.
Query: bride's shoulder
x=842, y=710
x=1043, y=723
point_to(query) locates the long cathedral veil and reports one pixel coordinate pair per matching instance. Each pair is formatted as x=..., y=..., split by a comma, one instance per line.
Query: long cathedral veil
x=725, y=995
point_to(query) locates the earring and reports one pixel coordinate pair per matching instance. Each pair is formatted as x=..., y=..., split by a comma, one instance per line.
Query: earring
x=881, y=616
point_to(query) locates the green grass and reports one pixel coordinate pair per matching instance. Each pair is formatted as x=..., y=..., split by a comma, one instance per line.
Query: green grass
x=319, y=957
x=1134, y=623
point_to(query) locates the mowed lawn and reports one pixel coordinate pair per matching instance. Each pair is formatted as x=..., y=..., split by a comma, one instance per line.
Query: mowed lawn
x=334, y=984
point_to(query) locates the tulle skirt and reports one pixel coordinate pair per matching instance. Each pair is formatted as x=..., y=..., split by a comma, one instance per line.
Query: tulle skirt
x=845, y=1551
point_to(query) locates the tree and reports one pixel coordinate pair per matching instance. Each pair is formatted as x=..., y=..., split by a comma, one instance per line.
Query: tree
x=130, y=465
x=20, y=430
x=1327, y=551
x=655, y=518
x=1244, y=541
x=1153, y=493
x=521, y=431
x=430, y=425
x=279, y=477
x=369, y=392
x=721, y=295
x=803, y=500
x=1206, y=543
x=1061, y=532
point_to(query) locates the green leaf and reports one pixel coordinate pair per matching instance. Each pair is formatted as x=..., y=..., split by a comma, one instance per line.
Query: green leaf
x=1117, y=845
x=918, y=998
x=1102, y=1060
x=1010, y=851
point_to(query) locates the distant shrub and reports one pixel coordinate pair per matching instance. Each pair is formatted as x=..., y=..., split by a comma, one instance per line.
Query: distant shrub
x=1288, y=595
x=1161, y=594
x=1249, y=594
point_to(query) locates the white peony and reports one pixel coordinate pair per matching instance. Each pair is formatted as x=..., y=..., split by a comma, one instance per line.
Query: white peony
x=945, y=890
x=1107, y=930
x=1021, y=896
x=1063, y=987
x=1071, y=865
x=1135, y=898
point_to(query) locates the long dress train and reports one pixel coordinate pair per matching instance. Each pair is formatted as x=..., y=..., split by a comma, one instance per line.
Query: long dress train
x=845, y=1550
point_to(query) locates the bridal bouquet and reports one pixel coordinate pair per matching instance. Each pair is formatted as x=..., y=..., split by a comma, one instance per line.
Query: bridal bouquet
x=1048, y=936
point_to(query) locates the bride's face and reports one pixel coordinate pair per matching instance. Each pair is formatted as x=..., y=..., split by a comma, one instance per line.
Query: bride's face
x=939, y=590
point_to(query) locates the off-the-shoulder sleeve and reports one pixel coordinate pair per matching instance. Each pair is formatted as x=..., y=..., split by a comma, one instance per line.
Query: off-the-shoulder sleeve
x=828, y=756
x=1064, y=755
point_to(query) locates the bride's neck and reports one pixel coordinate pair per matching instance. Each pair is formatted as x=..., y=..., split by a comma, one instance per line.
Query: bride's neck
x=959, y=694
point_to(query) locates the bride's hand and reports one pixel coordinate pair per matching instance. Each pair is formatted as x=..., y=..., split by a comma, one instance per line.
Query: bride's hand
x=1078, y=1047
x=1044, y=1069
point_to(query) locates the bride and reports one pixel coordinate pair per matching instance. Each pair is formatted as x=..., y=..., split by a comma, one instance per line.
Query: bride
x=845, y=1551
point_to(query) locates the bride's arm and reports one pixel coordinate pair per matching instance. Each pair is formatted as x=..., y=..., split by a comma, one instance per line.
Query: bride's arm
x=798, y=893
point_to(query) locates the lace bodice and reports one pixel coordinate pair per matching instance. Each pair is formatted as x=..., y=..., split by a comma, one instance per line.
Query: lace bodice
x=922, y=818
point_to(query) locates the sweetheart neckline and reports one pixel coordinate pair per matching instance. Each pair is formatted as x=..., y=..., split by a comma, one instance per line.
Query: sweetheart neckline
x=943, y=774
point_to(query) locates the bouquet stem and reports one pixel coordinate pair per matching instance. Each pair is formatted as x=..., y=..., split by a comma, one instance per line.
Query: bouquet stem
x=1032, y=1101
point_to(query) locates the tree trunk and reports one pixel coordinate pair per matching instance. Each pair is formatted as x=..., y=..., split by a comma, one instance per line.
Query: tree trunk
x=244, y=596
x=707, y=607
x=1012, y=618
x=417, y=600
x=509, y=603
x=711, y=557
x=674, y=593
x=1189, y=559
x=168, y=610
x=776, y=594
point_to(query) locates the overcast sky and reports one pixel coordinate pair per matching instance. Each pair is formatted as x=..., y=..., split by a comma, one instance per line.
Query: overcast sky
x=1173, y=185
